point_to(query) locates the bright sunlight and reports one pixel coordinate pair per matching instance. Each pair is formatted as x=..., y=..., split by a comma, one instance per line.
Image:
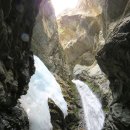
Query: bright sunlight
x=61, y=5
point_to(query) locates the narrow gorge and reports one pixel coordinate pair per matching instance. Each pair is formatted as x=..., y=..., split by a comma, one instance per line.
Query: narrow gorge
x=64, y=65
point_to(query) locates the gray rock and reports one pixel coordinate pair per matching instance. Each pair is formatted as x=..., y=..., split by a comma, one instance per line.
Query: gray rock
x=16, y=60
x=114, y=60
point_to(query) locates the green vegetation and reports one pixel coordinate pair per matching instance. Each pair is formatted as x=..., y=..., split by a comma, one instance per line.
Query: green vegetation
x=103, y=97
x=72, y=98
x=60, y=30
x=94, y=87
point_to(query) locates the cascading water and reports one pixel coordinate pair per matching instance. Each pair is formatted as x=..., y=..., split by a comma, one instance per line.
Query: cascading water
x=41, y=87
x=94, y=116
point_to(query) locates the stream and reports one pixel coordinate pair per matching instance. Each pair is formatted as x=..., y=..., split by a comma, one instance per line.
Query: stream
x=93, y=113
x=42, y=86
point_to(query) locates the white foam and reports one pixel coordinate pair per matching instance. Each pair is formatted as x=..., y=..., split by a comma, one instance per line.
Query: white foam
x=41, y=87
x=94, y=116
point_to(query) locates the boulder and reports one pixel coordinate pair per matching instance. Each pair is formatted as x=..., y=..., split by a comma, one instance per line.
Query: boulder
x=78, y=34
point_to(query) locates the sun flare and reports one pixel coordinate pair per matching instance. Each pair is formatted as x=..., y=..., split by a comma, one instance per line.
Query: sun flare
x=61, y=5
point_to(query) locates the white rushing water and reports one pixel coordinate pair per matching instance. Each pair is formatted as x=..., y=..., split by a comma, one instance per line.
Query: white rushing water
x=41, y=87
x=94, y=116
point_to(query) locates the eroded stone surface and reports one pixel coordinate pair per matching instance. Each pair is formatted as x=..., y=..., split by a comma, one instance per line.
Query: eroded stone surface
x=17, y=17
x=114, y=60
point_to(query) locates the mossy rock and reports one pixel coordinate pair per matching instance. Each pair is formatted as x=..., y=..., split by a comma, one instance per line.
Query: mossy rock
x=103, y=97
x=71, y=96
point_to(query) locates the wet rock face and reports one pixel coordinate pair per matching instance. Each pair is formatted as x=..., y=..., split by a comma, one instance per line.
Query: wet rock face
x=14, y=118
x=72, y=120
x=45, y=40
x=57, y=117
x=114, y=60
x=113, y=12
x=114, y=9
x=45, y=37
x=17, y=19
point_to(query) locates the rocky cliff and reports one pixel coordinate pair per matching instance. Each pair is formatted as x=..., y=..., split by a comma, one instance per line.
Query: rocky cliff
x=113, y=59
x=110, y=28
x=46, y=45
x=81, y=37
x=68, y=47
x=16, y=59
x=45, y=40
x=79, y=34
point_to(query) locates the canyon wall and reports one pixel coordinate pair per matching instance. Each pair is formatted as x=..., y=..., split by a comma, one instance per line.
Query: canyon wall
x=98, y=25
x=45, y=40
x=113, y=59
x=103, y=25
x=17, y=19
x=46, y=45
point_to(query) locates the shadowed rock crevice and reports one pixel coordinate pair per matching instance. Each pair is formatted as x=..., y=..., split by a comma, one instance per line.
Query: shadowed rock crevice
x=114, y=60
x=17, y=19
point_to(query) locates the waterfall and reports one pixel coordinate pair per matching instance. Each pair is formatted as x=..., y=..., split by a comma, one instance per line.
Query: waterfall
x=41, y=87
x=94, y=116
